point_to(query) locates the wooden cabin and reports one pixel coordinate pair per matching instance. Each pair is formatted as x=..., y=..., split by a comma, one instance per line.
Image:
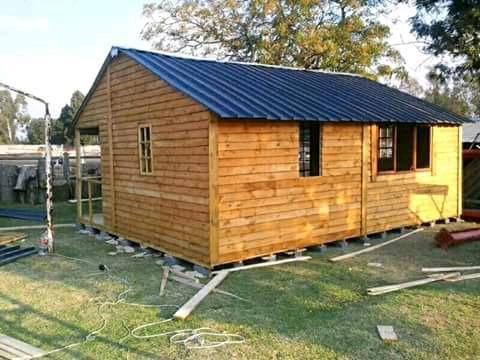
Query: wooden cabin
x=217, y=162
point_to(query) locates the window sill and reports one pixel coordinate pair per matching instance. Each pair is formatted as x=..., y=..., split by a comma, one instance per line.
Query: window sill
x=405, y=172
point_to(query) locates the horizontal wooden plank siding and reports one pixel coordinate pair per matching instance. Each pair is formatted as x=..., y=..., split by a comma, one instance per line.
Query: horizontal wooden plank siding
x=265, y=207
x=168, y=209
x=415, y=197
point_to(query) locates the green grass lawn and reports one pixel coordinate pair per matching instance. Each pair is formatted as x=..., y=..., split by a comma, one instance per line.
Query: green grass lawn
x=307, y=310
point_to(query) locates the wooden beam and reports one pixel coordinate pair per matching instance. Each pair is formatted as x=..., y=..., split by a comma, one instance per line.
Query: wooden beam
x=163, y=284
x=78, y=174
x=264, y=264
x=196, y=285
x=459, y=172
x=11, y=348
x=74, y=201
x=464, y=277
x=365, y=157
x=191, y=304
x=90, y=203
x=454, y=268
x=110, y=150
x=372, y=248
x=213, y=196
x=391, y=288
x=34, y=227
x=374, y=152
x=12, y=237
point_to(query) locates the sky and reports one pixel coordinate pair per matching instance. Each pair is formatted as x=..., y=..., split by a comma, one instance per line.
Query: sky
x=53, y=47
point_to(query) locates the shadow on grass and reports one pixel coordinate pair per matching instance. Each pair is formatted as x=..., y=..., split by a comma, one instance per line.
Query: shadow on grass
x=315, y=304
x=325, y=304
x=74, y=331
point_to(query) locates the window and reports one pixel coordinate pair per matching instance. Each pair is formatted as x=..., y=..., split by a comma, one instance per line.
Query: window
x=423, y=147
x=385, y=148
x=309, y=154
x=145, y=150
x=403, y=148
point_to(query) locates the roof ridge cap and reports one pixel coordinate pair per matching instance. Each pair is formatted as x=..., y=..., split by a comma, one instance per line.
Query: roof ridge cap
x=225, y=61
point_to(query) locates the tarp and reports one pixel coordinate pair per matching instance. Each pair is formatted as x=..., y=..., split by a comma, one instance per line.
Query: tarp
x=22, y=214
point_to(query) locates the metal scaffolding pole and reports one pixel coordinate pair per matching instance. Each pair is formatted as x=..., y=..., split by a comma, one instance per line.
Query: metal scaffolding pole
x=48, y=163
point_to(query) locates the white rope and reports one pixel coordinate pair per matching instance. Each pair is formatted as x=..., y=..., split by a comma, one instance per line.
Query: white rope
x=200, y=338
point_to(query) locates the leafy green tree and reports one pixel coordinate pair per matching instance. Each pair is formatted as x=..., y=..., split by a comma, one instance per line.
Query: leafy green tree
x=336, y=35
x=61, y=127
x=451, y=27
x=13, y=113
x=454, y=99
x=36, y=131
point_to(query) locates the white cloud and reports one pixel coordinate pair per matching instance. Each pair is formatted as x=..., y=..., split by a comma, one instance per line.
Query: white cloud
x=15, y=23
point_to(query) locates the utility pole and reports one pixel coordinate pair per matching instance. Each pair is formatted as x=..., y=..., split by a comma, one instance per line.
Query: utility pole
x=48, y=162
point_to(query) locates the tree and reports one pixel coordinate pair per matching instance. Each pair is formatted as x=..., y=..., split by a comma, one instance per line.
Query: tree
x=13, y=113
x=451, y=27
x=411, y=86
x=454, y=98
x=36, y=131
x=62, y=125
x=337, y=35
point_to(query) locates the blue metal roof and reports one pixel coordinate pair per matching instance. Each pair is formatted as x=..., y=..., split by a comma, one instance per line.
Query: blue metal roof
x=256, y=91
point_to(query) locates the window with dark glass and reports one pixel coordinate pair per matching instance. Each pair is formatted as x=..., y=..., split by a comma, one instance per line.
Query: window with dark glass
x=423, y=147
x=309, y=155
x=145, y=150
x=403, y=148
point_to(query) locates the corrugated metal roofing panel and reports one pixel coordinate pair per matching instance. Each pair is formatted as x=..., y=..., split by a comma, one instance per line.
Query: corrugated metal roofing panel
x=256, y=91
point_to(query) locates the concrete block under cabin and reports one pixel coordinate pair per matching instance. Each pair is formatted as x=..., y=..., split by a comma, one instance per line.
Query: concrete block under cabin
x=216, y=162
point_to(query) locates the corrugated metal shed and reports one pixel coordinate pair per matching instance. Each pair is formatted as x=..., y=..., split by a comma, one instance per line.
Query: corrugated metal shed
x=253, y=91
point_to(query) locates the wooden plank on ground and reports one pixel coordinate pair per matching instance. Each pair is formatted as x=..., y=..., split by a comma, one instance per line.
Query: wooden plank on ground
x=191, y=304
x=465, y=277
x=166, y=271
x=11, y=237
x=387, y=333
x=264, y=264
x=371, y=248
x=11, y=348
x=197, y=285
x=453, y=268
x=390, y=288
x=34, y=227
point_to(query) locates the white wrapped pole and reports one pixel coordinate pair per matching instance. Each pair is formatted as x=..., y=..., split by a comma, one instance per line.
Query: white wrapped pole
x=48, y=163
x=48, y=167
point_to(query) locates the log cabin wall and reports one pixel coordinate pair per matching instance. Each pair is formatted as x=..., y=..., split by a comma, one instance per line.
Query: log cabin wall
x=397, y=200
x=168, y=209
x=265, y=207
x=228, y=190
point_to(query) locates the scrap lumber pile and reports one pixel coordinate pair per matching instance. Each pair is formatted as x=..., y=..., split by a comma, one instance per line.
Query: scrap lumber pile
x=390, y=288
x=220, y=275
x=9, y=254
x=11, y=237
x=449, y=274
